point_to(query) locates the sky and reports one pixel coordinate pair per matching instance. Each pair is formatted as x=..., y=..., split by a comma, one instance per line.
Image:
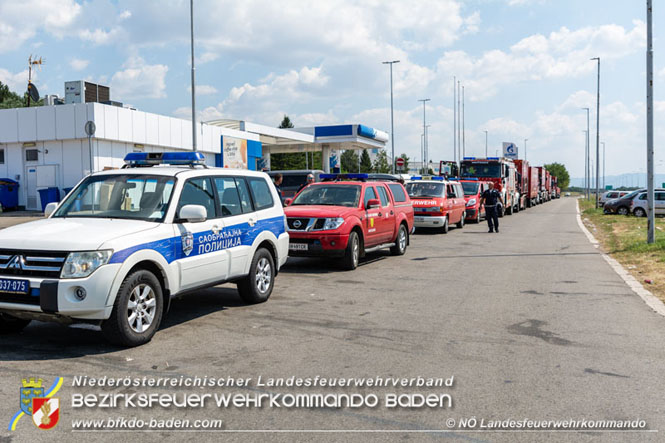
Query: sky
x=524, y=64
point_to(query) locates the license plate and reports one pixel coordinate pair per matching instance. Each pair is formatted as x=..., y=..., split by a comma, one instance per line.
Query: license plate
x=419, y=219
x=14, y=286
x=298, y=246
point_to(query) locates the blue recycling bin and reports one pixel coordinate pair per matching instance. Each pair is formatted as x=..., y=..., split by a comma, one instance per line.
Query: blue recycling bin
x=49, y=195
x=8, y=193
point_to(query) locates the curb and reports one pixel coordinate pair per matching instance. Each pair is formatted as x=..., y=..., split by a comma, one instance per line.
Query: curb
x=651, y=300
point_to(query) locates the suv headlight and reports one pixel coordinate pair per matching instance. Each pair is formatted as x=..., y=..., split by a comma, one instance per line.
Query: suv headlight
x=471, y=202
x=82, y=264
x=333, y=223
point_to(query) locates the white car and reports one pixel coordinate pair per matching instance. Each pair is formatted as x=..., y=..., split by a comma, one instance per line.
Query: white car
x=124, y=242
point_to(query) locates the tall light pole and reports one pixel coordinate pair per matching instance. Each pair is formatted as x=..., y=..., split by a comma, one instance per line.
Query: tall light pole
x=603, y=143
x=191, y=26
x=597, y=132
x=587, y=175
x=392, y=126
x=650, y=190
x=525, y=140
x=485, y=144
x=463, y=130
x=424, y=100
x=455, y=119
x=459, y=120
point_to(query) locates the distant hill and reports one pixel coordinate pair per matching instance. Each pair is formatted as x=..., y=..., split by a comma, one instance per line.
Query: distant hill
x=633, y=179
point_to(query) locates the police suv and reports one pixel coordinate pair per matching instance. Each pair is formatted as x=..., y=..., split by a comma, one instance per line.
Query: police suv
x=124, y=242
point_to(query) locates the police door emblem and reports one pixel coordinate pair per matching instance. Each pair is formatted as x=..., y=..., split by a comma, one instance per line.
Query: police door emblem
x=187, y=243
x=30, y=389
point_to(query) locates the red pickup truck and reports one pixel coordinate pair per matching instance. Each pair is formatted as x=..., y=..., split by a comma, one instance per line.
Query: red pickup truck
x=340, y=217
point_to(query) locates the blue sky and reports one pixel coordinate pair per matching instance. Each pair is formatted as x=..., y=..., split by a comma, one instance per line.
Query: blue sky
x=524, y=63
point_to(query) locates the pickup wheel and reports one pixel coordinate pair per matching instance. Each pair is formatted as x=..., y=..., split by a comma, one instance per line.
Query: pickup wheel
x=257, y=286
x=460, y=223
x=10, y=324
x=352, y=254
x=444, y=228
x=401, y=241
x=137, y=311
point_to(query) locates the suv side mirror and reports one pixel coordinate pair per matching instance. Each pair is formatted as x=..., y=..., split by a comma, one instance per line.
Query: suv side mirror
x=373, y=203
x=193, y=213
x=50, y=209
x=288, y=202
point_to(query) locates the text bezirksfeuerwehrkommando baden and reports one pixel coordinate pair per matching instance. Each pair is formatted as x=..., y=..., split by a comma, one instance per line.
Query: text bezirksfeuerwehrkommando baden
x=260, y=381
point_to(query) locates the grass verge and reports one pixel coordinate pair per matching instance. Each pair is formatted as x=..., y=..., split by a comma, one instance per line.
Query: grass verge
x=624, y=239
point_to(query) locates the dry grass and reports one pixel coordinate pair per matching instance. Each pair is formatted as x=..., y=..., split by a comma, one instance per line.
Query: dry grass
x=624, y=238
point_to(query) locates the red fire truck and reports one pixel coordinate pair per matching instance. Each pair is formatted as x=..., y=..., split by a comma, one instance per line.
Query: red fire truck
x=534, y=187
x=522, y=181
x=500, y=171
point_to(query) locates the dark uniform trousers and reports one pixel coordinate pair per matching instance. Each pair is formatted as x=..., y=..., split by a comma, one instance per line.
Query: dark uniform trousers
x=492, y=216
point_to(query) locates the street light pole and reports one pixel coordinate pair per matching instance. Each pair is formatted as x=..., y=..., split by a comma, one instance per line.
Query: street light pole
x=525, y=140
x=603, y=143
x=392, y=126
x=463, y=130
x=597, y=132
x=455, y=119
x=587, y=175
x=191, y=26
x=424, y=100
x=650, y=190
x=485, y=144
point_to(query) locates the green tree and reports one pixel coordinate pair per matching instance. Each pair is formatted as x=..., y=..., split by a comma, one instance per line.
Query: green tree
x=365, y=162
x=349, y=161
x=290, y=161
x=286, y=122
x=560, y=172
x=406, y=163
x=9, y=99
x=381, y=163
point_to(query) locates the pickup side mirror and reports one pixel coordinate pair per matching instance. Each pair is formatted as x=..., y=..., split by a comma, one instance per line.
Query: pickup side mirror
x=372, y=203
x=193, y=213
x=288, y=202
x=50, y=209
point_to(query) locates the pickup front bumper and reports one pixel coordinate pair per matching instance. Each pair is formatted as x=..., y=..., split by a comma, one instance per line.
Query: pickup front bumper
x=317, y=245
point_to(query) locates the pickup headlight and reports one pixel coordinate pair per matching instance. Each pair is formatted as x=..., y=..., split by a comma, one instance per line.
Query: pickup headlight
x=471, y=202
x=82, y=264
x=332, y=223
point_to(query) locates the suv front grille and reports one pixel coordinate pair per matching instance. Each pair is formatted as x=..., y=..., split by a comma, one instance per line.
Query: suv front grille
x=31, y=263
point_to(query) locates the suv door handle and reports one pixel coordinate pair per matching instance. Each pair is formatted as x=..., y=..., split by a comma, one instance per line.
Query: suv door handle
x=216, y=229
x=251, y=221
x=392, y=213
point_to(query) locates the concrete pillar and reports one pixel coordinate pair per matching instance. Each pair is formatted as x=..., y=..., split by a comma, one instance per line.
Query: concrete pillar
x=325, y=158
x=265, y=159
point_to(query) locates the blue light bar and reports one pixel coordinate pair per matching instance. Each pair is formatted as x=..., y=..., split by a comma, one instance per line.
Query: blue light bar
x=469, y=158
x=343, y=176
x=492, y=158
x=471, y=179
x=416, y=177
x=453, y=179
x=164, y=158
x=437, y=178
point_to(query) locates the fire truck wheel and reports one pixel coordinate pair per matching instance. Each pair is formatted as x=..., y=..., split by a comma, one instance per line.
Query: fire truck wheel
x=10, y=324
x=502, y=211
x=444, y=228
x=509, y=210
x=460, y=223
x=352, y=255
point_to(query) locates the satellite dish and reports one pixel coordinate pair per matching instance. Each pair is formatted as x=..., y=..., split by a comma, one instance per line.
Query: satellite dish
x=33, y=92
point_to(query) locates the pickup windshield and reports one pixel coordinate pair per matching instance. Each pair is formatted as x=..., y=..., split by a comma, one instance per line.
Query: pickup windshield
x=425, y=189
x=329, y=195
x=131, y=197
x=475, y=169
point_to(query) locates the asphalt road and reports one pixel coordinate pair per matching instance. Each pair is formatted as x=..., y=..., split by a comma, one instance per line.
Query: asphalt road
x=531, y=322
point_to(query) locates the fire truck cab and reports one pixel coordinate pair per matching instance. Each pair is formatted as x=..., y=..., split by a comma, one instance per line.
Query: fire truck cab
x=500, y=171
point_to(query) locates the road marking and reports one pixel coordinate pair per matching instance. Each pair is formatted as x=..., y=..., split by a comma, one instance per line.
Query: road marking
x=651, y=300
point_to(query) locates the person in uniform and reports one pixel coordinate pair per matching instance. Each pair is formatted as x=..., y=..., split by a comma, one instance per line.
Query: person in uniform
x=278, y=183
x=310, y=180
x=490, y=198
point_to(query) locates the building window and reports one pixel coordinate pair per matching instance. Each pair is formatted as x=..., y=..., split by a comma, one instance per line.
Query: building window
x=2, y=156
x=31, y=155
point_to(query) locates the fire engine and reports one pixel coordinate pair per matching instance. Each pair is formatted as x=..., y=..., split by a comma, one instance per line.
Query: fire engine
x=498, y=170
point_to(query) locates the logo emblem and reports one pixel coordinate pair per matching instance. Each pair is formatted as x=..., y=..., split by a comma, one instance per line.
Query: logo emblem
x=187, y=243
x=16, y=262
x=46, y=412
x=31, y=388
x=297, y=224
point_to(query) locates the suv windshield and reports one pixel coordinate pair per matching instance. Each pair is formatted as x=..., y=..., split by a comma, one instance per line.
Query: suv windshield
x=329, y=195
x=425, y=189
x=475, y=169
x=132, y=197
x=470, y=188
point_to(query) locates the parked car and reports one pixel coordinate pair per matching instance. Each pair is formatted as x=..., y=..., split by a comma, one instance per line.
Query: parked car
x=437, y=203
x=473, y=189
x=639, y=204
x=621, y=205
x=610, y=195
x=293, y=179
x=123, y=243
x=348, y=219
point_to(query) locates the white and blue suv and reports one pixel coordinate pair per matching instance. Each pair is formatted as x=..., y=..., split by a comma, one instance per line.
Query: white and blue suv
x=124, y=242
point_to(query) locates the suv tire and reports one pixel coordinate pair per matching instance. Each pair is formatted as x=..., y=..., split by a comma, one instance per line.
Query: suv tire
x=639, y=212
x=460, y=223
x=10, y=324
x=401, y=241
x=445, y=226
x=352, y=254
x=622, y=210
x=257, y=286
x=139, y=301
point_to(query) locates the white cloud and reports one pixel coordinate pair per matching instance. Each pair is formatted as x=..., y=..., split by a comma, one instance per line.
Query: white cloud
x=203, y=90
x=21, y=20
x=78, y=64
x=99, y=36
x=139, y=80
x=17, y=82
